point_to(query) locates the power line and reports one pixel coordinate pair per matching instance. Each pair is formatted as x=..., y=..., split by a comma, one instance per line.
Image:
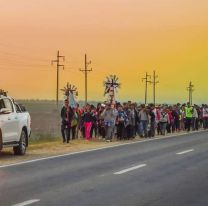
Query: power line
x=86, y=70
x=24, y=65
x=58, y=65
x=29, y=58
x=146, y=79
x=22, y=69
x=13, y=47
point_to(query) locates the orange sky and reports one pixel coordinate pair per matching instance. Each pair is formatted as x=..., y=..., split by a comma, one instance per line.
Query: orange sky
x=123, y=37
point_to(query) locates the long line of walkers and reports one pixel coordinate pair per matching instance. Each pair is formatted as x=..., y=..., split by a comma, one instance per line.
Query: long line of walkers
x=128, y=120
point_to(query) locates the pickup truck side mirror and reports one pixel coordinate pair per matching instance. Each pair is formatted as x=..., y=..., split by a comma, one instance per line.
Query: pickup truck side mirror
x=5, y=111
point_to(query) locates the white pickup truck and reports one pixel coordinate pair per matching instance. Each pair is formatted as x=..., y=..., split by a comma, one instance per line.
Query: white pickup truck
x=15, y=125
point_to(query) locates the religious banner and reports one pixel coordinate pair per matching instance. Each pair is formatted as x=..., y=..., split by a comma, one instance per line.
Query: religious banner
x=111, y=88
x=70, y=93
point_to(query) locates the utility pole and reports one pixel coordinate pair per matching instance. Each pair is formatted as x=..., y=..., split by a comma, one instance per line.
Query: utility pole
x=190, y=89
x=146, y=79
x=85, y=71
x=58, y=65
x=154, y=83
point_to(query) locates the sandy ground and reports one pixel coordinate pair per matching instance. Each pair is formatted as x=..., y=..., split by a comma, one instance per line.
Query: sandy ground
x=46, y=149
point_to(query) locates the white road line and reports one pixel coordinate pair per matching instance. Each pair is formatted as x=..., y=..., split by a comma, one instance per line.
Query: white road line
x=130, y=169
x=29, y=202
x=184, y=152
x=97, y=149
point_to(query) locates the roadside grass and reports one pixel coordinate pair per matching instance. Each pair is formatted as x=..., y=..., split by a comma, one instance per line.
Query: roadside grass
x=43, y=138
x=45, y=143
x=46, y=146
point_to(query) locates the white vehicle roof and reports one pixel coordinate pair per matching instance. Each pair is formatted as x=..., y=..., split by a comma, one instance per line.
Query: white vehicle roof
x=3, y=96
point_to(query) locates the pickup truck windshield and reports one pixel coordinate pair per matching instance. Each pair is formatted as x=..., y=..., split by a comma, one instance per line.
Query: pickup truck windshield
x=18, y=110
x=8, y=104
x=2, y=104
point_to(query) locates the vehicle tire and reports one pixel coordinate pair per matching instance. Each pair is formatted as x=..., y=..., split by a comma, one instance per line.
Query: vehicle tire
x=1, y=141
x=21, y=148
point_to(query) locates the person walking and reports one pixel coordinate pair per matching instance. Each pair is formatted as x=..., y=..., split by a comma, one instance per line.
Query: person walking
x=205, y=116
x=74, y=123
x=109, y=116
x=121, y=118
x=176, y=119
x=170, y=124
x=188, y=116
x=158, y=114
x=164, y=120
x=66, y=116
x=152, y=120
x=132, y=121
x=195, y=123
x=87, y=122
x=144, y=120
x=94, y=128
x=101, y=124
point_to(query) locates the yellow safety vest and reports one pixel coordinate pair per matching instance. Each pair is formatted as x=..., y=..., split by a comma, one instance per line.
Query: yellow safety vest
x=189, y=112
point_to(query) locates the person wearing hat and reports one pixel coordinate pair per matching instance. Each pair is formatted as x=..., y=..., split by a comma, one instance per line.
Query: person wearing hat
x=66, y=118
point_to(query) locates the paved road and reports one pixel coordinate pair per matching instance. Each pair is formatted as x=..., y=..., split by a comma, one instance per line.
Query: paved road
x=164, y=172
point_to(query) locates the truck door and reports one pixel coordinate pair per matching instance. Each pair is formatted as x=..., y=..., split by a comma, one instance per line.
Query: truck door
x=6, y=135
x=11, y=122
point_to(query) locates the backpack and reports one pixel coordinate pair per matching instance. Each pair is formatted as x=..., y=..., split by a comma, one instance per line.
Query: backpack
x=163, y=117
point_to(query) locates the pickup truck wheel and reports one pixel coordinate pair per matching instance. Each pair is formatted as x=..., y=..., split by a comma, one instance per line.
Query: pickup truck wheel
x=1, y=141
x=21, y=148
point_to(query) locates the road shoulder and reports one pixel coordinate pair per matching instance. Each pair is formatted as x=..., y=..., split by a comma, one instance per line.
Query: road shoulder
x=38, y=151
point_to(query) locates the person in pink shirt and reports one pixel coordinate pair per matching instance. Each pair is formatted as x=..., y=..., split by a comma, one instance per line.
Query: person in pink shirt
x=170, y=120
x=87, y=119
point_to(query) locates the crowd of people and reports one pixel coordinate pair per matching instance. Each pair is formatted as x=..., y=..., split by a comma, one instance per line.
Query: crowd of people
x=127, y=120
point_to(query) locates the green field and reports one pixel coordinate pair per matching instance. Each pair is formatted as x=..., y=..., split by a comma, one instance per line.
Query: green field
x=46, y=120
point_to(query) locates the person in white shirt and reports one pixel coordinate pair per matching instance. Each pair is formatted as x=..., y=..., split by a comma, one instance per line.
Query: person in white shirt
x=205, y=116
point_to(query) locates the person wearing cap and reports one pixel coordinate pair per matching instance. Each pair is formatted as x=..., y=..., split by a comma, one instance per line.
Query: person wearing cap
x=66, y=116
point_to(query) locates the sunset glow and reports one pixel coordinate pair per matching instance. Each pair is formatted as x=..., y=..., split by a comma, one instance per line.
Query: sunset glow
x=122, y=37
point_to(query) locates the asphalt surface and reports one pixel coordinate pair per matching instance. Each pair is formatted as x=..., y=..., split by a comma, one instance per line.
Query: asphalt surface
x=163, y=172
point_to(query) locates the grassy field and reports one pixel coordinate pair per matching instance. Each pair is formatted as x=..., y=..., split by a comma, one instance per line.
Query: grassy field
x=45, y=118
